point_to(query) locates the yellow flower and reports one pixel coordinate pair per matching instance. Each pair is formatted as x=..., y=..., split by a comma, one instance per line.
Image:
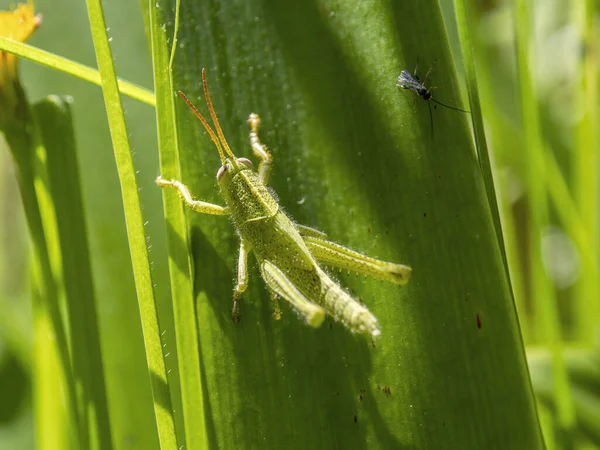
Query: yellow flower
x=17, y=25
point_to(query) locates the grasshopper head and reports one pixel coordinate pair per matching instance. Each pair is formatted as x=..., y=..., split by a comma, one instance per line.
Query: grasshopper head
x=228, y=169
x=230, y=165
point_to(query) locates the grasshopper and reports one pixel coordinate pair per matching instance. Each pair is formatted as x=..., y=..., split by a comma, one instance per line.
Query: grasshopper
x=289, y=255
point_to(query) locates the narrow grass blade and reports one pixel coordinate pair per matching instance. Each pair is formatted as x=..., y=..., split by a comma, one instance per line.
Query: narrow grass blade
x=543, y=293
x=462, y=13
x=135, y=229
x=177, y=238
x=573, y=223
x=510, y=229
x=72, y=68
x=586, y=173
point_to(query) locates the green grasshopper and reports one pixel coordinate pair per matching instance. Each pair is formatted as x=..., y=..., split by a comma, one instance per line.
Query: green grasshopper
x=288, y=254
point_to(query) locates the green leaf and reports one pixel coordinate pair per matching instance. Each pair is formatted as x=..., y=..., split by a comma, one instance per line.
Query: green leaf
x=72, y=68
x=55, y=122
x=354, y=158
x=180, y=269
x=586, y=167
x=53, y=378
x=543, y=292
x=15, y=332
x=483, y=154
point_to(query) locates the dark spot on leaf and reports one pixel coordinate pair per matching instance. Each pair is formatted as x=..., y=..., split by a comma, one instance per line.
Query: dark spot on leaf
x=361, y=395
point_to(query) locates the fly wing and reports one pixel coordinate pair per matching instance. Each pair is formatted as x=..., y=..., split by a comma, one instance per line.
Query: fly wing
x=404, y=80
x=407, y=80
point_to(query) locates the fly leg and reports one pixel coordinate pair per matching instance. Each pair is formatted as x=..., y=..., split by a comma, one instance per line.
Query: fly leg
x=259, y=149
x=428, y=72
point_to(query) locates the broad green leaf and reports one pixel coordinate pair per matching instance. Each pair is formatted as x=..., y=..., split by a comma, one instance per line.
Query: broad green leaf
x=51, y=352
x=55, y=122
x=354, y=157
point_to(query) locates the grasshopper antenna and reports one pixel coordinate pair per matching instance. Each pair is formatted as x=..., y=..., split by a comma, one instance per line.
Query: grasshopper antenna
x=212, y=134
x=447, y=106
x=214, y=116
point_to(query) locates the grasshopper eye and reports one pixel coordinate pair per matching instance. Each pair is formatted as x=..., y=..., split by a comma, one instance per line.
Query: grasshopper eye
x=246, y=162
x=224, y=168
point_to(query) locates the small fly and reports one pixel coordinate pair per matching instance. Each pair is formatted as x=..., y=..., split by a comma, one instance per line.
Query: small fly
x=411, y=81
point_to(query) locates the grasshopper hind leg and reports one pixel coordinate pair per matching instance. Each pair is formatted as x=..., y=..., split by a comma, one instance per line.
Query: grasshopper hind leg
x=336, y=255
x=281, y=285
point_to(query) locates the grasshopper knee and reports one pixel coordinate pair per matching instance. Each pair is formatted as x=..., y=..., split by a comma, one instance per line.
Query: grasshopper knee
x=163, y=183
x=240, y=287
x=399, y=273
x=315, y=317
x=254, y=122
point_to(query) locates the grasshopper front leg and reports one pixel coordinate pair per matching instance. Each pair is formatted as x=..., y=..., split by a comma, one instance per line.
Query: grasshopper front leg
x=281, y=285
x=339, y=256
x=242, y=282
x=196, y=205
x=261, y=152
x=216, y=210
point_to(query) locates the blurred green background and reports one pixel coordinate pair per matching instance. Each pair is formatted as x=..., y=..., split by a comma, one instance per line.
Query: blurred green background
x=558, y=78
x=65, y=31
